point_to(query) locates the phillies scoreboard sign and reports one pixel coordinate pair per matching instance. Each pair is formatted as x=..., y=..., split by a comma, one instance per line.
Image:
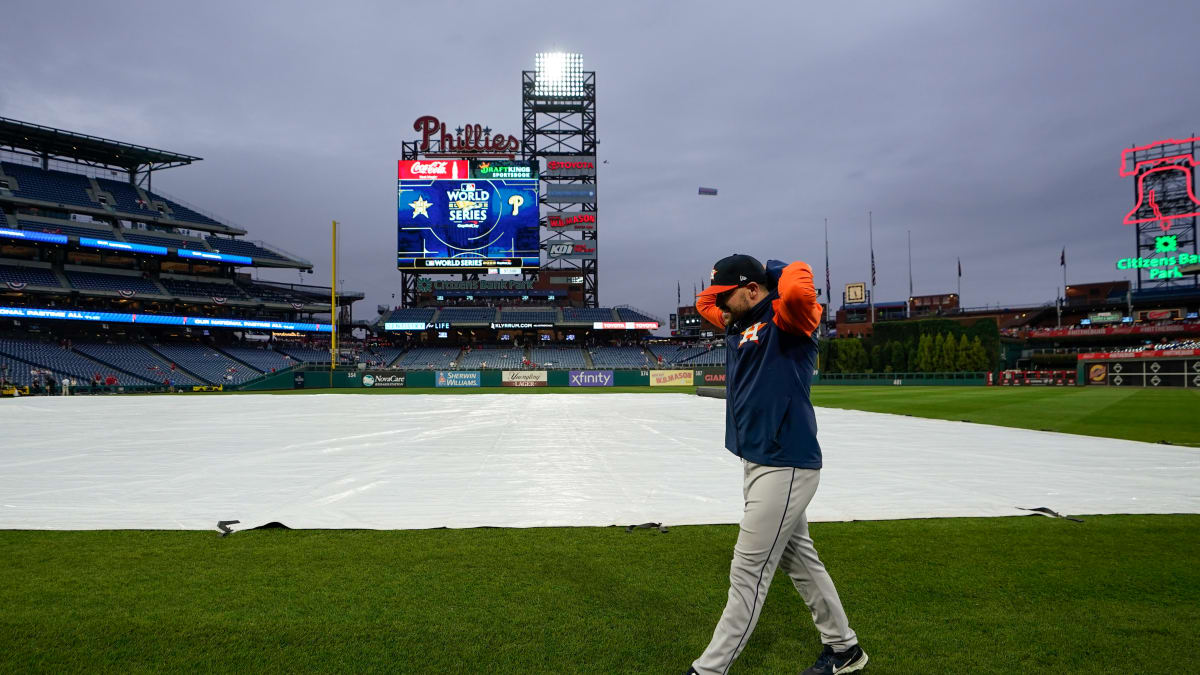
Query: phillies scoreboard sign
x=457, y=215
x=467, y=139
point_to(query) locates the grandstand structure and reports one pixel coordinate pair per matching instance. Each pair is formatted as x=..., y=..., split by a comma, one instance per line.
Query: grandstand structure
x=103, y=277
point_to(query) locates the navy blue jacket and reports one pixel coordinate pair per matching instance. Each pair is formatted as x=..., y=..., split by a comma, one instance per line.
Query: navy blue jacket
x=771, y=354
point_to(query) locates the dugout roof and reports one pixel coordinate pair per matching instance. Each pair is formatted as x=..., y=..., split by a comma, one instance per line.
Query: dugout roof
x=29, y=138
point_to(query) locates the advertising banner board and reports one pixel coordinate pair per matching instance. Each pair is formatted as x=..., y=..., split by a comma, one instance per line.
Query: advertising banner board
x=524, y=378
x=590, y=378
x=457, y=378
x=672, y=378
x=373, y=378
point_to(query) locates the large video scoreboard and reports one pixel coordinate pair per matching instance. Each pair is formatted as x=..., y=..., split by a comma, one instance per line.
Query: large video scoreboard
x=458, y=215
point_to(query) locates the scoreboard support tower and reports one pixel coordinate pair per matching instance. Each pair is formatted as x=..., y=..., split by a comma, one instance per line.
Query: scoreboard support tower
x=562, y=123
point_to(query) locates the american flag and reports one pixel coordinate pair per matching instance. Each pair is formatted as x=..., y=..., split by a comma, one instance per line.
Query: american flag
x=872, y=268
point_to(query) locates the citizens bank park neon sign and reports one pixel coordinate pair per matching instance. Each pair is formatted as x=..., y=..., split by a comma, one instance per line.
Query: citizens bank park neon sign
x=1174, y=163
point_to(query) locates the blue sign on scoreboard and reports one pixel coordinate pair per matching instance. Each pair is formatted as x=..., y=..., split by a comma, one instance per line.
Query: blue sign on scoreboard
x=448, y=221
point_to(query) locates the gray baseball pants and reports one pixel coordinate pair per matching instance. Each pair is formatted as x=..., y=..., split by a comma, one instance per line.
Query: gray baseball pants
x=774, y=531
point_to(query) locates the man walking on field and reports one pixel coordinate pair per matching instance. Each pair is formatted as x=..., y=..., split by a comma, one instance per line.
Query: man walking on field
x=770, y=315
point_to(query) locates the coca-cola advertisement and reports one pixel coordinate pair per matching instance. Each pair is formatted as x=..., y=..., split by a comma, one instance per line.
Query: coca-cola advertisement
x=436, y=169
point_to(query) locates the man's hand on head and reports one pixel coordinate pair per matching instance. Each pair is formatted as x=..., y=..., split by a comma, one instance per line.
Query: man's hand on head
x=774, y=271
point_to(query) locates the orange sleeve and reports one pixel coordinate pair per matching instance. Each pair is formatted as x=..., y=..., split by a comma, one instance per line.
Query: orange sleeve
x=707, y=306
x=797, y=309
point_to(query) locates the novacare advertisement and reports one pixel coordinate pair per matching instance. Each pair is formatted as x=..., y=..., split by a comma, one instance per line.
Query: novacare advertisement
x=672, y=378
x=455, y=378
x=590, y=378
x=378, y=379
x=524, y=378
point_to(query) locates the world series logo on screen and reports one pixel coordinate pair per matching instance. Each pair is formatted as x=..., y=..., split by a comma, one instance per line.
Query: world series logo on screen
x=451, y=218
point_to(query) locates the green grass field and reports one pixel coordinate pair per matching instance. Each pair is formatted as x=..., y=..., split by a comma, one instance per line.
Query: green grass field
x=1152, y=415
x=1115, y=594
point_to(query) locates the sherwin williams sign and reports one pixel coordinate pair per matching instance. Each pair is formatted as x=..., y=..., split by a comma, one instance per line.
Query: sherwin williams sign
x=590, y=378
x=672, y=378
x=524, y=378
x=455, y=378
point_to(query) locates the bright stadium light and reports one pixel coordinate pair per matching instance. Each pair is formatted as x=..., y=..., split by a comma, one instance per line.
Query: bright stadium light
x=558, y=74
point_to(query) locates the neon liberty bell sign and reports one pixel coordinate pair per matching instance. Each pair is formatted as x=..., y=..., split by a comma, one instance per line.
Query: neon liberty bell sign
x=1165, y=193
x=1153, y=174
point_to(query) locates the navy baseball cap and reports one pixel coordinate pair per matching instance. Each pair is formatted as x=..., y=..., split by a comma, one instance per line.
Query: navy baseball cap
x=733, y=271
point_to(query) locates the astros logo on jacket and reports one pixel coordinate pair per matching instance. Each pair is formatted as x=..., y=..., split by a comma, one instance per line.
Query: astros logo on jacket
x=751, y=333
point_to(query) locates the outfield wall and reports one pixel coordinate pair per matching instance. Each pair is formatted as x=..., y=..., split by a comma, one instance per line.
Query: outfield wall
x=1150, y=368
x=312, y=377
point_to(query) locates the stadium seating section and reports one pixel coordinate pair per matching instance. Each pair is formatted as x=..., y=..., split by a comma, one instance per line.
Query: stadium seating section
x=35, y=276
x=528, y=315
x=468, y=315
x=207, y=363
x=491, y=358
x=51, y=186
x=1162, y=346
x=627, y=314
x=98, y=231
x=382, y=357
x=138, y=360
x=91, y=281
x=151, y=239
x=410, y=315
x=181, y=212
x=126, y=197
x=558, y=357
x=691, y=355
x=202, y=289
x=709, y=357
x=274, y=294
x=263, y=358
x=620, y=357
x=587, y=315
x=427, y=358
x=61, y=187
x=310, y=354
x=672, y=353
x=52, y=356
x=18, y=372
x=241, y=247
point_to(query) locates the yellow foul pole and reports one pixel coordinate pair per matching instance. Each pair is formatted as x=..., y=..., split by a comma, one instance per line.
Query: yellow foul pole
x=333, y=334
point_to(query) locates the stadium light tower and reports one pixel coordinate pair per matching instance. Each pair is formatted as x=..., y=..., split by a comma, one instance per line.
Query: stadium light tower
x=558, y=124
x=558, y=74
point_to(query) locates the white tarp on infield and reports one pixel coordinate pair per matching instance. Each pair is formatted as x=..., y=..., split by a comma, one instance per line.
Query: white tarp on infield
x=421, y=461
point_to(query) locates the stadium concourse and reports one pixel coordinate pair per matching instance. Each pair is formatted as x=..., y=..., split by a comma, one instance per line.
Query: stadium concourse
x=425, y=461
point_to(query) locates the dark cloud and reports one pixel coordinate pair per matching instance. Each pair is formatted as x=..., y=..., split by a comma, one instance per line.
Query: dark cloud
x=992, y=131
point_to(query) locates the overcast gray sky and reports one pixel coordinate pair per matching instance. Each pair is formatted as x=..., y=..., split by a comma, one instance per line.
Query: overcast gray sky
x=991, y=130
